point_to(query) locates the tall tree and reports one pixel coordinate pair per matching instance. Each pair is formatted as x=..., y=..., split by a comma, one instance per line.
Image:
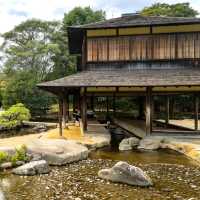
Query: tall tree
x=80, y=16
x=28, y=51
x=64, y=63
x=170, y=10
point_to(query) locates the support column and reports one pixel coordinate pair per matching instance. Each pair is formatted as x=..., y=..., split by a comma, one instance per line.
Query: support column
x=148, y=110
x=65, y=110
x=196, y=112
x=84, y=109
x=114, y=104
x=141, y=107
x=167, y=110
x=107, y=107
x=60, y=115
x=92, y=102
x=74, y=103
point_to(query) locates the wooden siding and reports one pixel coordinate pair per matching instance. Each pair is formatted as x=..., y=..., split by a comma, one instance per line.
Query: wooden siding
x=176, y=28
x=134, y=31
x=145, y=47
x=101, y=32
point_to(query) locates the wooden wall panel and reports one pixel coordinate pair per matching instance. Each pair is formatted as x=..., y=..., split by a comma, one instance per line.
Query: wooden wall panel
x=145, y=47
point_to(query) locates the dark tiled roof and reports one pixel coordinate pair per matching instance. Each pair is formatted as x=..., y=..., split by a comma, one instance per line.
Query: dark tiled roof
x=138, y=20
x=167, y=77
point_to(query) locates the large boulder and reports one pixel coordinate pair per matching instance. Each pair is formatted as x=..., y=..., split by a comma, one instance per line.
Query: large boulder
x=151, y=143
x=32, y=168
x=128, y=143
x=58, y=152
x=122, y=172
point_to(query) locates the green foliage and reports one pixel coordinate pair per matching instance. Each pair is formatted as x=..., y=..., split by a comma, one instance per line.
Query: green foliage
x=20, y=155
x=4, y=157
x=170, y=10
x=14, y=116
x=80, y=16
x=36, y=51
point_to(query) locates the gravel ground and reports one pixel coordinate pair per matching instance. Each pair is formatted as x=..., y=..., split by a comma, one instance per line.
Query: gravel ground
x=79, y=181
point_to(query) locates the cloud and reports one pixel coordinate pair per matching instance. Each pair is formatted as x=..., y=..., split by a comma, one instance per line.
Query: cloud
x=12, y=12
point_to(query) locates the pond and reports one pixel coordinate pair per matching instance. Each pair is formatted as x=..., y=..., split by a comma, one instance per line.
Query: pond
x=174, y=177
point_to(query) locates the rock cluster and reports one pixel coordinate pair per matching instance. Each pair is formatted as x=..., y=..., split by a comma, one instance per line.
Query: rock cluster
x=32, y=168
x=128, y=143
x=122, y=172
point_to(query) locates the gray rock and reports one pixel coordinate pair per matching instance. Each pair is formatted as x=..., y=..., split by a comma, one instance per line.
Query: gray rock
x=19, y=163
x=151, y=143
x=36, y=157
x=128, y=143
x=40, y=127
x=122, y=172
x=6, y=165
x=9, y=150
x=32, y=168
x=59, y=152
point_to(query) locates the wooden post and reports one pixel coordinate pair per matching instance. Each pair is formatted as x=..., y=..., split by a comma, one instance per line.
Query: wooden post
x=167, y=110
x=84, y=110
x=92, y=102
x=107, y=106
x=74, y=103
x=65, y=109
x=60, y=115
x=114, y=105
x=141, y=107
x=196, y=112
x=148, y=110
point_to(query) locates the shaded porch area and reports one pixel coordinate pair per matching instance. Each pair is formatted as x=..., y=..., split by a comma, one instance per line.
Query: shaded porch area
x=151, y=90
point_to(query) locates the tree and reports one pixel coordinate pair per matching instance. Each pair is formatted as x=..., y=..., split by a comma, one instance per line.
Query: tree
x=170, y=10
x=28, y=52
x=80, y=16
x=65, y=64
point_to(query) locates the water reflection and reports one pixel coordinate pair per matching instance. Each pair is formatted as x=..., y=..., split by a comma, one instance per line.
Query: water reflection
x=143, y=157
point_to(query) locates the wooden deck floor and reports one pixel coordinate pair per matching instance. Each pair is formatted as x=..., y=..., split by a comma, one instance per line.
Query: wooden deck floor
x=136, y=127
x=179, y=128
x=184, y=123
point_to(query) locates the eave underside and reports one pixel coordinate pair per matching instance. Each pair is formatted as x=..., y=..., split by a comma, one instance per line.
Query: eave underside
x=125, y=78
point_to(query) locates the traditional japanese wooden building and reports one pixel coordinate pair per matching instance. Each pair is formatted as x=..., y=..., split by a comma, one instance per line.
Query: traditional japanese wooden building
x=133, y=55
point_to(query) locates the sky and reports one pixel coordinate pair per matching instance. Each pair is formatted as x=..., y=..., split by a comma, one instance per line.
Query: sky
x=12, y=12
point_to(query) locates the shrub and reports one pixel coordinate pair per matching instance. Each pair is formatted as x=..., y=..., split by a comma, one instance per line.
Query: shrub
x=20, y=155
x=4, y=157
x=14, y=116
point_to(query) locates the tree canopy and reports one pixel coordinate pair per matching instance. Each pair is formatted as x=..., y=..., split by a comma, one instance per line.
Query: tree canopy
x=36, y=51
x=80, y=16
x=170, y=10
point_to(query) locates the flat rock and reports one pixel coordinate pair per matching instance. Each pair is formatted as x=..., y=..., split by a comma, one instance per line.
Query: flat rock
x=58, y=151
x=122, y=172
x=8, y=150
x=128, y=143
x=6, y=165
x=32, y=168
x=151, y=143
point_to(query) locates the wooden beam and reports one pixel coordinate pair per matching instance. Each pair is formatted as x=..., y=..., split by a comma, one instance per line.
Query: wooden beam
x=65, y=111
x=149, y=110
x=107, y=106
x=92, y=103
x=84, y=109
x=114, y=104
x=167, y=109
x=74, y=103
x=196, y=111
x=60, y=115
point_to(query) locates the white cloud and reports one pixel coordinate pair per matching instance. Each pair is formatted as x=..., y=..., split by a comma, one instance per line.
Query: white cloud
x=12, y=12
